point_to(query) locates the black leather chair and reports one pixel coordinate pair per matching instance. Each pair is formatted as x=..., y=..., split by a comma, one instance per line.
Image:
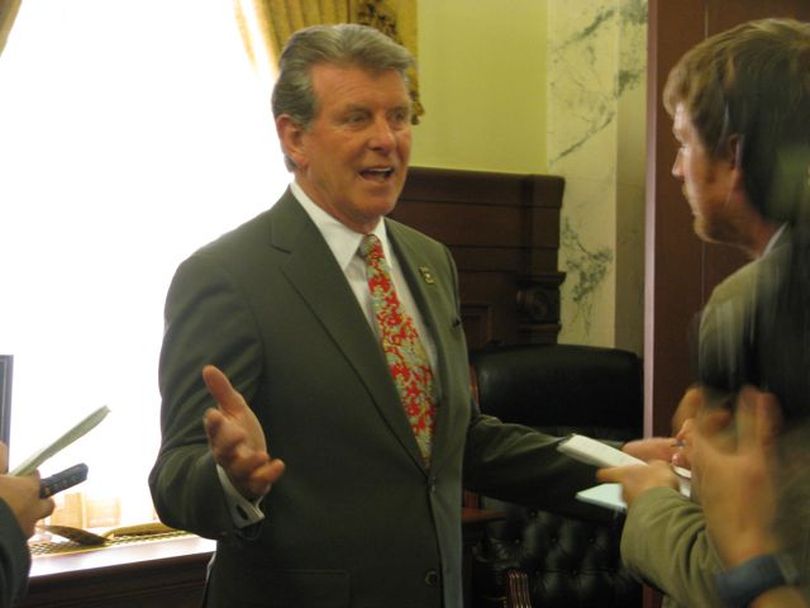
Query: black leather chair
x=541, y=559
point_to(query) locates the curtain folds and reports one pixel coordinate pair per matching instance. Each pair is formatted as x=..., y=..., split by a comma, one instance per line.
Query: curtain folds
x=396, y=19
x=266, y=25
x=8, y=12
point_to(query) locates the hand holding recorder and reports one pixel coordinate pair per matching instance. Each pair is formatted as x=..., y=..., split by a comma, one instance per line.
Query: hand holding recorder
x=22, y=495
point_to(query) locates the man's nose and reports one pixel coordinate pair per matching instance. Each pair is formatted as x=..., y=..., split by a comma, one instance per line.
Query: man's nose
x=677, y=169
x=382, y=136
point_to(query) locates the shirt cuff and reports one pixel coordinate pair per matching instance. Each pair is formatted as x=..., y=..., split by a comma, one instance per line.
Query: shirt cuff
x=243, y=512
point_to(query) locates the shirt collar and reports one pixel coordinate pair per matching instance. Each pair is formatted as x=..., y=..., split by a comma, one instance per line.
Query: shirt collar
x=342, y=240
x=772, y=242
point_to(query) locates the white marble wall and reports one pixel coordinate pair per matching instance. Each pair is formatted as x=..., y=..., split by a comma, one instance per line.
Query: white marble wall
x=596, y=126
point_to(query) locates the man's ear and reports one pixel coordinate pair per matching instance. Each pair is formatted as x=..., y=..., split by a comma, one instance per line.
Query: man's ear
x=734, y=152
x=291, y=136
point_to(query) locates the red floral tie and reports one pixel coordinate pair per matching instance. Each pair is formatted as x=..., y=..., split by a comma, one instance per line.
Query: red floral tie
x=403, y=349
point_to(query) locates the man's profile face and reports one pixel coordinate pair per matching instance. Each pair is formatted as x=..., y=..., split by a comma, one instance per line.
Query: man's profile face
x=707, y=182
x=353, y=158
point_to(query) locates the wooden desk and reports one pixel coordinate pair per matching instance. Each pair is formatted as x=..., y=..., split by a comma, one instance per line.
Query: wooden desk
x=158, y=574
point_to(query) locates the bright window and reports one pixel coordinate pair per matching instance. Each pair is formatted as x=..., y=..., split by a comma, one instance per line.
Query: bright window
x=131, y=133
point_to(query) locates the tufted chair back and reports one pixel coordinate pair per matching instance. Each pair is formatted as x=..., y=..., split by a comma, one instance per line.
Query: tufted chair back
x=541, y=559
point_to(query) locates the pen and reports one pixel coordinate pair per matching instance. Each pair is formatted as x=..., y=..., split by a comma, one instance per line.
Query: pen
x=681, y=472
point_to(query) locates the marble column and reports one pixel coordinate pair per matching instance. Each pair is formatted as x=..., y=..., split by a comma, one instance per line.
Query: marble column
x=596, y=125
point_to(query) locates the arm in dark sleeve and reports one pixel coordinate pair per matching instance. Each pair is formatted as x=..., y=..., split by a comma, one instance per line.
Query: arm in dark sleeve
x=15, y=560
x=519, y=464
x=206, y=322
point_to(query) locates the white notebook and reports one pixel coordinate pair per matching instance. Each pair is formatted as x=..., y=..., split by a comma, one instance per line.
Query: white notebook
x=595, y=452
x=600, y=454
x=607, y=495
x=83, y=427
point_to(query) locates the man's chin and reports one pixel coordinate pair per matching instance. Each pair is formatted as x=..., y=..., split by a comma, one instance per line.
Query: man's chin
x=382, y=198
x=385, y=206
x=703, y=231
x=699, y=228
x=709, y=233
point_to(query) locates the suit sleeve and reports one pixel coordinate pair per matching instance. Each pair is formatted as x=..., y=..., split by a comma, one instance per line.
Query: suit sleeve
x=517, y=463
x=665, y=544
x=15, y=559
x=206, y=321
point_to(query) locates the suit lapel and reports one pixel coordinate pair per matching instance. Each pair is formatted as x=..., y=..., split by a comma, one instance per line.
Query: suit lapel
x=314, y=273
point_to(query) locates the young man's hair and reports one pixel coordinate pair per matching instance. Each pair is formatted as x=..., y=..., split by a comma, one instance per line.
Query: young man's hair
x=750, y=86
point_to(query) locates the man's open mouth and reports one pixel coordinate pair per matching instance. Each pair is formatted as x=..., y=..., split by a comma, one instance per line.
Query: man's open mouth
x=378, y=174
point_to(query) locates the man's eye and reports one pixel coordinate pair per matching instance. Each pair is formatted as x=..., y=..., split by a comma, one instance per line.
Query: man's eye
x=400, y=117
x=355, y=118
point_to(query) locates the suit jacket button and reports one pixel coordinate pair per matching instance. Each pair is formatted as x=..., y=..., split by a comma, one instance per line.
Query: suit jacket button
x=431, y=578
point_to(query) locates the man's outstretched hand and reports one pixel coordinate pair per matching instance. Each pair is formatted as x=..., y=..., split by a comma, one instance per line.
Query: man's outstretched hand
x=237, y=439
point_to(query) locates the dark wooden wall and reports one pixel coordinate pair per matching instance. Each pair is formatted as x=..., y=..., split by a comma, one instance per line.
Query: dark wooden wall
x=503, y=230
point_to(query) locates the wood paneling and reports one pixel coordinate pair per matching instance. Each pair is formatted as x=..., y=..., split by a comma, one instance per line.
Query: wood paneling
x=674, y=256
x=504, y=233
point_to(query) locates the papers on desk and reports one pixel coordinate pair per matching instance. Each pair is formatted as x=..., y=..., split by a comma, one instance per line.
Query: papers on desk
x=600, y=454
x=83, y=427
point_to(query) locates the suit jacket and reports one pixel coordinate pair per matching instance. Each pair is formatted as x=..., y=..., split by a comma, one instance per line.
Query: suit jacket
x=664, y=541
x=15, y=560
x=731, y=327
x=356, y=520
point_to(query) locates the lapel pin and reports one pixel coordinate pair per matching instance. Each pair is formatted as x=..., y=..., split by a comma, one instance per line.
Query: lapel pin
x=427, y=276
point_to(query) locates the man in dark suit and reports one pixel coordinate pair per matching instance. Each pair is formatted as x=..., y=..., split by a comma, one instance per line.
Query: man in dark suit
x=20, y=509
x=350, y=353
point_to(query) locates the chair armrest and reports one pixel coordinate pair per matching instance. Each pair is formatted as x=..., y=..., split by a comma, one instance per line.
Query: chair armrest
x=517, y=589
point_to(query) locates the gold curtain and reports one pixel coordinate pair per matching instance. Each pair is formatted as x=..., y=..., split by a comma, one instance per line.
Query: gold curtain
x=396, y=19
x=8, y=12
x=266, y=25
